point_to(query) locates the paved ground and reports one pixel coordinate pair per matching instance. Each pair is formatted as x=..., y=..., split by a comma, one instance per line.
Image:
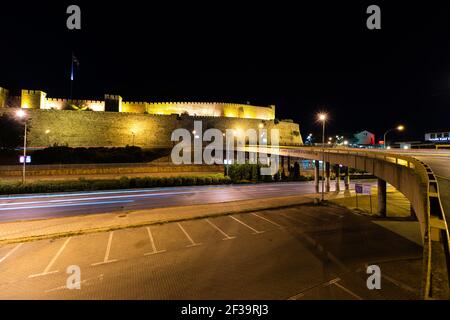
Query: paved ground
x=440, y=164
x=28, y=207
x=304, y=252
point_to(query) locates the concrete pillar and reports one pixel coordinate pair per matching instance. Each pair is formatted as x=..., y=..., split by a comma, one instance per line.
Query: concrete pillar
x=337, y=170
x=347, y=179
x=382, y=197
x=316, y=175
x=327, y=177
x=412, y=212
x=288, y=166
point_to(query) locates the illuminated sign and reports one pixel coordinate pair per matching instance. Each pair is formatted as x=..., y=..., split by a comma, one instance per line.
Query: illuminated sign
x=28, y=159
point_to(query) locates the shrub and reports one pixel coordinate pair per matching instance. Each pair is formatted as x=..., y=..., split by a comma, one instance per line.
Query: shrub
x=109, y=184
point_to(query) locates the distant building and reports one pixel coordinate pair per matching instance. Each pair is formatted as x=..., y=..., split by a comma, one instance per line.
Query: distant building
x=443, y=137
x=364, y=138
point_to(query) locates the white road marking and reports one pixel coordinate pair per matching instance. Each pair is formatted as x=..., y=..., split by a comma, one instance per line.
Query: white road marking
x=270, y=221
x=193, y=243
x=315, y=217
x=347, y=290
x=50, y=265
x=323, y=285
x=246, y=225
x=108, y=249
x=227, y=237
x=152, y=241
x=293, y=219
x=11, y=252
x=333, y=214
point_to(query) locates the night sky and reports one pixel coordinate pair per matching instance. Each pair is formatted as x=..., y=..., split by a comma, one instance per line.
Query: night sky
x=301, y=58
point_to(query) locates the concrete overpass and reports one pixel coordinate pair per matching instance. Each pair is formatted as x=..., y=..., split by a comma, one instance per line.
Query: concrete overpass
x=411, y=174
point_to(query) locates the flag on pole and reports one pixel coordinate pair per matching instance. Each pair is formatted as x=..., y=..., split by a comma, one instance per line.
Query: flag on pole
x=74, y=60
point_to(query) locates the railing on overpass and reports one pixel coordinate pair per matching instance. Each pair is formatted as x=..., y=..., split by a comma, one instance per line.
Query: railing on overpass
x=423, y=195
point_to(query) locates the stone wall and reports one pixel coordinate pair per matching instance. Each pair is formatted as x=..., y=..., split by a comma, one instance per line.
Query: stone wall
x=108, y=129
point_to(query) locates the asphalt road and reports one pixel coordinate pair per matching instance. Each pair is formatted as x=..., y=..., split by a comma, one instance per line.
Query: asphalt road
x=305, y=252
x=440, y=164
x=28, y=207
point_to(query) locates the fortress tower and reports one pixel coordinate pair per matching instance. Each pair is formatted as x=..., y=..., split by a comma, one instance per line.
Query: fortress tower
x=113, y=103
x=3, y=97
x=33, y=99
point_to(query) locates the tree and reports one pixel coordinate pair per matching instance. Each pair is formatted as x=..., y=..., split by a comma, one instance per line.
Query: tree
x=11, y=132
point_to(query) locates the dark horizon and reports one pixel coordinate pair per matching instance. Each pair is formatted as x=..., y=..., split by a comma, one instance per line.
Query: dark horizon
x=303, y=60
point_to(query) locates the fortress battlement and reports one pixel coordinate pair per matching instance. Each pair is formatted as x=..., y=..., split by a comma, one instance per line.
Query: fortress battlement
x=37, y=99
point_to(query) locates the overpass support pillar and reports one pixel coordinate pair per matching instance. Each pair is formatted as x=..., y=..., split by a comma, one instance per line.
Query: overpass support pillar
x=327, y=177
x=382, y=197
x=316, y=175
x=412, y=211
x=337, y=170
x=346, y=179
x=288, y=166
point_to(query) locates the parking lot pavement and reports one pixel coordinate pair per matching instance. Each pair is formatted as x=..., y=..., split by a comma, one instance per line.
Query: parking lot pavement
x=304, y=252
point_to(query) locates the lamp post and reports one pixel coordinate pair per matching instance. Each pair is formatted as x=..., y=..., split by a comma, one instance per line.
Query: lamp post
x=399, y=128
x=323, y=117
x=22, y=115
x=47, y=136
x=133, y=134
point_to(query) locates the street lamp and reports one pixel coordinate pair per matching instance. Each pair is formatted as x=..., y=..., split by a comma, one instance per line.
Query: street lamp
x=398, y=128
x=323, y=117
x=47, y=136
x=22, y=115
x=133, y=134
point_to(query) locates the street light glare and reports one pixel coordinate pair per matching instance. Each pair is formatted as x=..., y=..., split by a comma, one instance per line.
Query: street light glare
x=21, y=113
x=322, y=116
x=400, y=128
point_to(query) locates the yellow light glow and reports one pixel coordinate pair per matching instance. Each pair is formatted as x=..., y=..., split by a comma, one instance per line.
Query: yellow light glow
x=261, y=126
x=322, y=116
x=47, y=131
x=400, y=128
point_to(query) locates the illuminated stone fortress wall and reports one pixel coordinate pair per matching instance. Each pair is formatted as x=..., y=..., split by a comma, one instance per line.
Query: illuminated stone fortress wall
x=34, y=99
x=113, y=122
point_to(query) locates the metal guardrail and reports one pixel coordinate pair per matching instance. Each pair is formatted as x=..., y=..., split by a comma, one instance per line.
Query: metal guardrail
x=436, y=238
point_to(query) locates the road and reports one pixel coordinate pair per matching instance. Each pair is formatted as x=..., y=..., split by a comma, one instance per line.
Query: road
x=28, y=207
x=304, y=252
x=439, y=161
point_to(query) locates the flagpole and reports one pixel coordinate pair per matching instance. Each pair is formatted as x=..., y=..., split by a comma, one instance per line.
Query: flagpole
x=71, y=78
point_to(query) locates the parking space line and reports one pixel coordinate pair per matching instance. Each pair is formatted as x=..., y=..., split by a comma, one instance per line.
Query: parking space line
x=294, y=219
x=270, y=221
x=227, y=237
x=108, y=249
x=11, y=252
x=152, y=241
x=315, y=217
x=347, y=290
x=246, y=225
x=193, y=243
x=50, y=265
x=333, y=214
